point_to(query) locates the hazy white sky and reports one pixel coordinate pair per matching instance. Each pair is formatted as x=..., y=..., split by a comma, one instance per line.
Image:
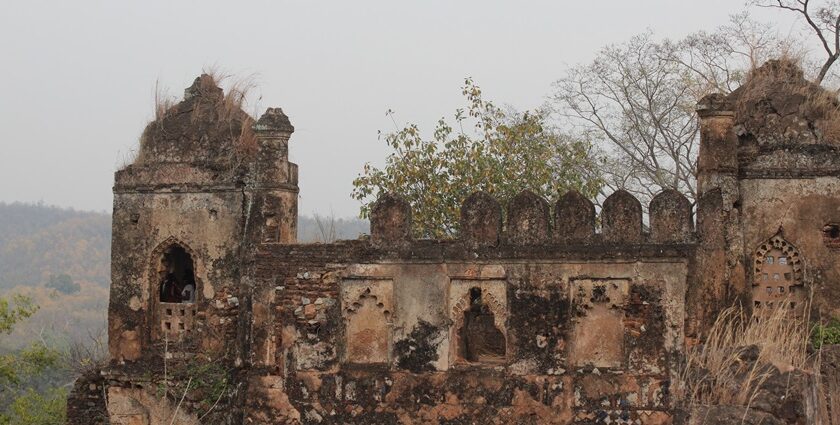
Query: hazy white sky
x=78, y=76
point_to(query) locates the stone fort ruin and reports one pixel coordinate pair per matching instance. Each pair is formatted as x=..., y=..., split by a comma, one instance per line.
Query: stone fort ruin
x=530, y=316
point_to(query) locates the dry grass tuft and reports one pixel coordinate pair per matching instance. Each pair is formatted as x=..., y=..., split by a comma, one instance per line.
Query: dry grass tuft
x=232, y=105
x=741, y=353
x=163, y=101
x=220, y=111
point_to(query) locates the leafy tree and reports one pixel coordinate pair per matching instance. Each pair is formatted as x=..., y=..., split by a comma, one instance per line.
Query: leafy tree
x=486, y=148
x=33, y=408
x=13, y=312
x=15, y=367
x=63, y=283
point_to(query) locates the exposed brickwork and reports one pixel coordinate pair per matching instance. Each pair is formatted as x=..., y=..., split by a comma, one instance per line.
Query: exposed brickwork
x=531, y=316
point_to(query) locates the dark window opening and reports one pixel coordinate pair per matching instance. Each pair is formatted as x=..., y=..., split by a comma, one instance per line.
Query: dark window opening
x=831, y=235
x=177, y=280
x=481, y=340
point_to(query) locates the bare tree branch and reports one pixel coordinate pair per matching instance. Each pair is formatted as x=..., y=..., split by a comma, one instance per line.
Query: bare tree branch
x=636, y=100
x=824, y=23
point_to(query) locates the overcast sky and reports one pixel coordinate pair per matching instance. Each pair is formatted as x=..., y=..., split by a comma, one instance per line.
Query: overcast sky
x=78, y=76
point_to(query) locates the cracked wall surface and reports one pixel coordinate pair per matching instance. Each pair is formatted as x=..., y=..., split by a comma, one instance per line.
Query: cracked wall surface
x=536, y=313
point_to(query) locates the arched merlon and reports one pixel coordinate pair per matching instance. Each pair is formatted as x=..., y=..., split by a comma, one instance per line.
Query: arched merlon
x=670, y=218
x=574, y=218
x=390, y=220
x=528, y=220
x=481, y=220
x=622, y=218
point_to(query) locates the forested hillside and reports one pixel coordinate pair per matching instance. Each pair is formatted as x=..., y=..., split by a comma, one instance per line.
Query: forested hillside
x=60, y=258
x=38, y=242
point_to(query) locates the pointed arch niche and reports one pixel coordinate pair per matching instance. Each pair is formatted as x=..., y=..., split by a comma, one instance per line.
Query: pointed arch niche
x=174, y=288
x=777, y=276
x=478, y=310
x=367, y=307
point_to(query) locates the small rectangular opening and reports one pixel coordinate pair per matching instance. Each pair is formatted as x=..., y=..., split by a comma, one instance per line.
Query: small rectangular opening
x=182, y=312
x=181, y=326
x=167, y=325
x=756, y=304
x=781, y=289
x=168, y=311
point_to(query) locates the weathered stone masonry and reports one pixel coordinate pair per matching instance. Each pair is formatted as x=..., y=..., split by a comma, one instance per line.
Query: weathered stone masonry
x=530, y=316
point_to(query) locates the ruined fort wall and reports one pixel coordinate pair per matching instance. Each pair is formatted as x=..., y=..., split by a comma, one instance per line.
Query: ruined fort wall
x=590, y=329
x=801, y=208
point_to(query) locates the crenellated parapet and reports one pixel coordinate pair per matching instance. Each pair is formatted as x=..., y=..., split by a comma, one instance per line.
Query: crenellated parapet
x=529, y=221
x=529, y=295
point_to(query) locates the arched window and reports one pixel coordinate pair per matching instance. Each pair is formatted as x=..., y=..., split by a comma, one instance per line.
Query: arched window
x=176, y=276
x=777, y=275
x=175, y=288
x=480, y=339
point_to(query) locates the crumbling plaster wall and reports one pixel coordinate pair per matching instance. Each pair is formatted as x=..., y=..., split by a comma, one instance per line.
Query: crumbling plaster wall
x=373, y=331
x=801, y=208
x=421, y=383
x=207, y=224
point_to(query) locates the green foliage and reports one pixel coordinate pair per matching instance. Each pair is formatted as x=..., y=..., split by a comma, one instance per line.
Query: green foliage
x=498, y=151
x=11, y=313
x=26, y=405
x=30, y=361
x=63, y=283
x=826, y=334
x=200, y=381
x=209, y=381
x=27, y=362
x=33, y=408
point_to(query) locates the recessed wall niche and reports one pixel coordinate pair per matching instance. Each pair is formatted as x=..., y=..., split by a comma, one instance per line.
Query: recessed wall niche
x=367, y=308
x=478, y=310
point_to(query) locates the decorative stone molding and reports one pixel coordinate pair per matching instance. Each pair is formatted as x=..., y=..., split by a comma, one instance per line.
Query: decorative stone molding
x=493, y=296
x=367, y=308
